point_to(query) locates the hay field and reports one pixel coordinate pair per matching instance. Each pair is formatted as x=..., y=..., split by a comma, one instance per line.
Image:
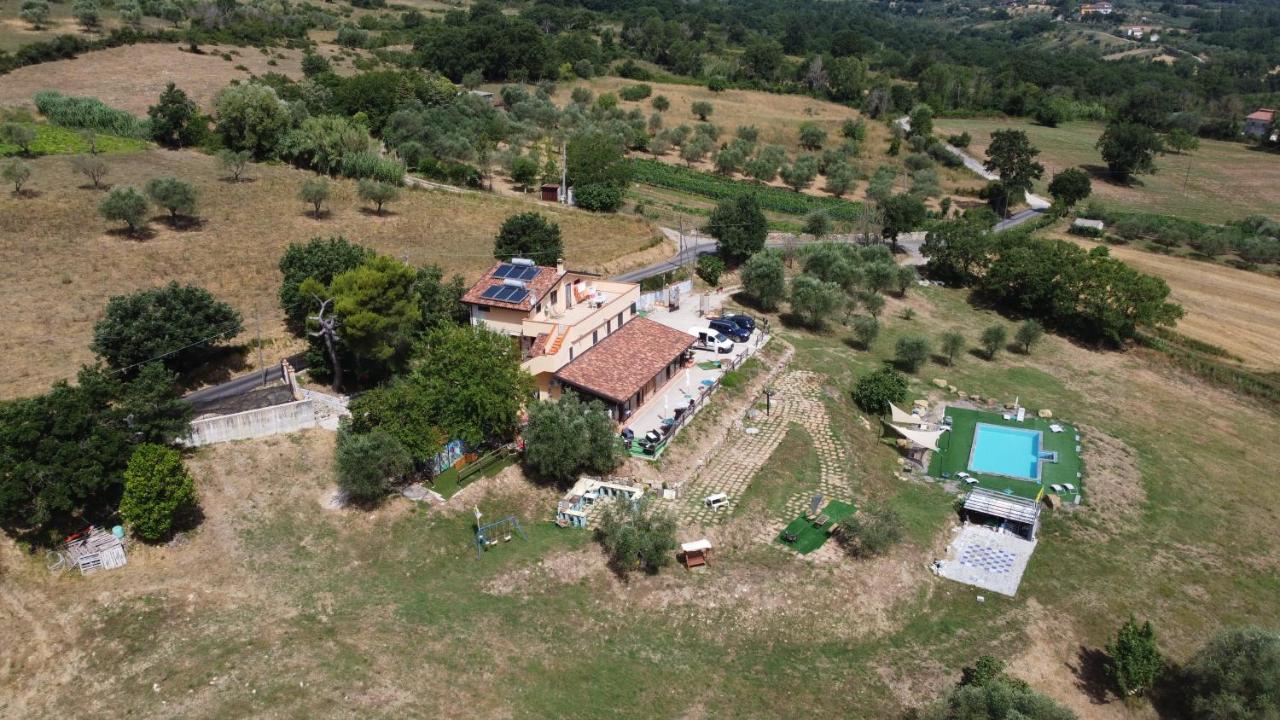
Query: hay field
x=60, y=262
x=1233, y=309
x=131, y=77
x=1219, y=182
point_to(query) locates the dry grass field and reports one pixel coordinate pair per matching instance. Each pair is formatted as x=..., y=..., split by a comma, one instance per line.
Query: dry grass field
x=1219, y=182
x=131, y=77
x=1233, y=309
x=59, y=261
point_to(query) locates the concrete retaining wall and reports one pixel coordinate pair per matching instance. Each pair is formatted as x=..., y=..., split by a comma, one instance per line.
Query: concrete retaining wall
x=275, y=420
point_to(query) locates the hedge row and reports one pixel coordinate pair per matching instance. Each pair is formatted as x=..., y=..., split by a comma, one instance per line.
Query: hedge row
x=718, y=187
x=87, y=113
x=64, y=47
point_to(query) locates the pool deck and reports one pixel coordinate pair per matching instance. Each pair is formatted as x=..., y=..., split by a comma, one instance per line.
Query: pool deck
x=956, y=445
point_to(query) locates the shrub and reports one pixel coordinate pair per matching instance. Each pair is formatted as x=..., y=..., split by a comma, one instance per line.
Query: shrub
x=233, y=162
x=16, y=173
x=876, y=390
x=1028, y=334
x=702, y=109
x=157, y=490
x=710, y=268
x=911, y=352
x=598, y=197
x=368, y=164
x=19, y=134
x=367, y=464
x=812, y=136
x=314, y=192
x=952, y=345
x=918, y=161
x=961, y=141
x=871, y=531
x=865, y=330
x=660, y=103
x=993, y=340
x=635, y=93
x=89, y=114
x=638, y=535
x=178, y=323
x=127, y=205
x=1133, y=661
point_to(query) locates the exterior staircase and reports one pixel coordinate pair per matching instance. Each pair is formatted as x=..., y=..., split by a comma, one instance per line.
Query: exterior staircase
x=555, y=345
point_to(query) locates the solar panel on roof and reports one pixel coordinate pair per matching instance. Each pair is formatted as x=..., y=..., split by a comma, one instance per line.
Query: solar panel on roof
x=504, y=271
x=517, y=295
x=525, y=273
x=492, y=292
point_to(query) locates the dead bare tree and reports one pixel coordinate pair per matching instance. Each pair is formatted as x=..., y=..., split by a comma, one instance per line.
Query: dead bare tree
x=327, y=328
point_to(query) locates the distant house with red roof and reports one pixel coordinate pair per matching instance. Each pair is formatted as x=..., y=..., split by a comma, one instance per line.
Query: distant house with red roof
x=554, y=314
x=1259, y=123
x=628, y=367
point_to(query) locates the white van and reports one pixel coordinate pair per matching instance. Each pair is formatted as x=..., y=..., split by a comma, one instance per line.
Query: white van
x=716, y=501
x=709, y=339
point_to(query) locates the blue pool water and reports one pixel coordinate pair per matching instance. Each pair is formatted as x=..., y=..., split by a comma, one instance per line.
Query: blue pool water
x=1007, y=451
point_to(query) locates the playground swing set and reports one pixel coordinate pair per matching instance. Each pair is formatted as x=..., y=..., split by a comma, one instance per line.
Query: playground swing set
x=490, y=534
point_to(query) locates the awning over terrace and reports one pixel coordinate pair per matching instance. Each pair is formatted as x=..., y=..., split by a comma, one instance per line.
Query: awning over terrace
x=1009, y=507
x=924, y=438
x=899, y=417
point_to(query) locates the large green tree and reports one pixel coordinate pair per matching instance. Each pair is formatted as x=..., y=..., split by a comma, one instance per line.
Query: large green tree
x=379, y=312
x=1070, y=186
x=251, y=117
x=901, y=213
x=1129, y=149
x=175, y=119
x=740, y=228
x=178, y=325
x=529, y=235
x=764, y=279
x=474, y=383
x=815, y=300
x=1011, y=156
x=401, y=408
x=958, y=249
x=1235, y=676
x=319, y=258
x=63, y=453
x=569, y=437
x=176, y=196
x=597, y=168
x=876, y=390
x=367, y=464
x=157, y=491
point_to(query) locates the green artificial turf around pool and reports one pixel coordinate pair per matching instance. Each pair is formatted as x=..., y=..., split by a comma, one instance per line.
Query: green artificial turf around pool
x=810, y=537
x=956, y=444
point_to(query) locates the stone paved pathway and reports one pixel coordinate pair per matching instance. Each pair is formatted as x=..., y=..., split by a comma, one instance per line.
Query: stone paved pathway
x=797, y=398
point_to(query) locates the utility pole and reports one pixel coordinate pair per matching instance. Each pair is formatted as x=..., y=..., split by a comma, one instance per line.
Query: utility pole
x=687, y=260
x=257, y=316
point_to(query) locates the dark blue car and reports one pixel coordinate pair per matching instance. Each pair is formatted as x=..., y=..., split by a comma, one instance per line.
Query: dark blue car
x=746, y=322
x=731, y=330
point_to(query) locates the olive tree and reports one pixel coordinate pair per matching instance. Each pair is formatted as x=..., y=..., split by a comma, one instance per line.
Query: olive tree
x=639, y=535
x=126, y=205
x=92, y=167
x=377, y=192
x=314, y=192
x=16, y=173
x=176, y=196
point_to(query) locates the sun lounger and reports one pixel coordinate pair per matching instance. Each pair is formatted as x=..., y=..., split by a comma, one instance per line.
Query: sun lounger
x=1055, y=428
x=1078, y=448
x=1056, y=488
x=962, y=474
x=971, y=481
x=1070, y=488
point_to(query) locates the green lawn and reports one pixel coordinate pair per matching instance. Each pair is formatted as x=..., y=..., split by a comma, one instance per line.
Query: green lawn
x=792, y=468
x=809, y=536
x=1219, y=182
x=57, y=140
x=452, y=480
x=956, y=445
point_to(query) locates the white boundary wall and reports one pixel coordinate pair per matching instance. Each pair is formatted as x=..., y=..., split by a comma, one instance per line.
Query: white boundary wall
x=262, y=422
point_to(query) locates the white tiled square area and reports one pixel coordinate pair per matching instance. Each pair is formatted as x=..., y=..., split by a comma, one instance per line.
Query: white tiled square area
x=988, y=559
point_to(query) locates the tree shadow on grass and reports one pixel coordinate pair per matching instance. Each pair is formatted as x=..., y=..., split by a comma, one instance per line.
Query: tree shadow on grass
x=1102, y=173
x=181, y=223
x=1090, y=671
x=26, y=194
x=370, y=212
x=856, y=344
x=312, y=215
x=142, y=234
x=100, y=187
x=223, y=363
x=237, y=181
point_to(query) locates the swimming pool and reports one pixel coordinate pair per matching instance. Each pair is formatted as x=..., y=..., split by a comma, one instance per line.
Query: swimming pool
x=999, y=450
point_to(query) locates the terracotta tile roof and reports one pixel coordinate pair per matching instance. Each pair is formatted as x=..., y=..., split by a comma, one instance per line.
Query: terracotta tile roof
x=539, y=286
x=619, y=365
x=1263, y=114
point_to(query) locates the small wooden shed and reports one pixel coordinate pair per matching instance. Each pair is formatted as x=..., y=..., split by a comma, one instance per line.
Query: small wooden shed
x=695, y=554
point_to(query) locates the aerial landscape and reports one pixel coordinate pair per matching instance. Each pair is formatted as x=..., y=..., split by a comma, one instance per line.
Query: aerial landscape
x=908, y=359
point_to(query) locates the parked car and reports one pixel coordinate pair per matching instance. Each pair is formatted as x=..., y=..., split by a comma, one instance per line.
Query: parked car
x=716, y=501
x=730, y=329
x=709, y=339
x=746, y=322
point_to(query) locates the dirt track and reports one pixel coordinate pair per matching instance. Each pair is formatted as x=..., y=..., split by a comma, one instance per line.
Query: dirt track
x=1233, y=309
